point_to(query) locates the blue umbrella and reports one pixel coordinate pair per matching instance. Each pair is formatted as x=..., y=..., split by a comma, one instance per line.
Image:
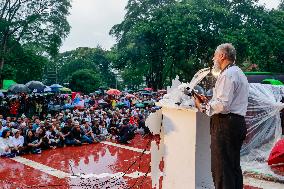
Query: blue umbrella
x=47, y=89
x=55, y=87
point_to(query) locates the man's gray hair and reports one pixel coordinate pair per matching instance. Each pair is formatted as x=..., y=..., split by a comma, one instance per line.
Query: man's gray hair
x=229, y=50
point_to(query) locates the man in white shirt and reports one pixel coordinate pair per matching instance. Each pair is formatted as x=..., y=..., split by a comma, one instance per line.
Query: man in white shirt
x=227, y=109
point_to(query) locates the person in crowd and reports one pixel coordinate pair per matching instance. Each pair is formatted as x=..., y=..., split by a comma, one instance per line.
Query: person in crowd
x=36, y=124
x=32, y=143
x=125, y=132
x=86, y=128
x=54, y=137
x=141, y=125
x=79, y=135
x=18, y=141
x=103, y=130
x=7, y=149
x=1, y=128
x=67, y=136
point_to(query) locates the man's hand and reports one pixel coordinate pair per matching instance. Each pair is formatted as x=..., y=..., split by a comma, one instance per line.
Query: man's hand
x=203, y=99
x=199, y=100
x=198, y=104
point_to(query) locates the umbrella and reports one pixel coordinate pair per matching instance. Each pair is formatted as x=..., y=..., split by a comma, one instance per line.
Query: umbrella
x=148, y=89
x=120, y=104
x=272, y=82
x=8, y=83
x=47, y=89
x=19, y=88
x=103, y=104
x=65, y=90
x=56, y=86
x=139, y=105
x=39, y=86
x=130, y=96
x=114, y=92
x=277, y=153
x=146, y=94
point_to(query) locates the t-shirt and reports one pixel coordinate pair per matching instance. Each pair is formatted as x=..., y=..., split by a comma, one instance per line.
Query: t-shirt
x=65, y=130
x=18, y=141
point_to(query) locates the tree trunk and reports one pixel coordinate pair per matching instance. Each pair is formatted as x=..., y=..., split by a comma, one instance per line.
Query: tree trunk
x=1, y=71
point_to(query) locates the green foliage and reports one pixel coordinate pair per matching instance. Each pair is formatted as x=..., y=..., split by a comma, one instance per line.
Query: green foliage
x=31, y=24
x=31, y=67
x=23, y=65
x=95, y=59
x=85, y=81
x=132, y=78
x=162, y=39
x=41, y=23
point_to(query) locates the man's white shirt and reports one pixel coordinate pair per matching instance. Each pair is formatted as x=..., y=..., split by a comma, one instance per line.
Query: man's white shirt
x=230, y=94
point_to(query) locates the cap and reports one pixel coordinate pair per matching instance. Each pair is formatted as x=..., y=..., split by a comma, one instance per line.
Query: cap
x=14, y=131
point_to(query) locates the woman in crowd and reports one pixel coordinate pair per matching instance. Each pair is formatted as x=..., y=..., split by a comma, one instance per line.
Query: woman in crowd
x=18, y=141
x=7, y=148
x=32, y=143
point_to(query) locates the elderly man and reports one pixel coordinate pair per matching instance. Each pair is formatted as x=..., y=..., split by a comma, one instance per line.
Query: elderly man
x=227, y=109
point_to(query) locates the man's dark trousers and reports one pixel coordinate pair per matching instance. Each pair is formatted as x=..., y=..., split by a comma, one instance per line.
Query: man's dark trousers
x=228, y=132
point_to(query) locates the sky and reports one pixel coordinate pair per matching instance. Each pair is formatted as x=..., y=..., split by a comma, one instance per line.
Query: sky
x=91, y=21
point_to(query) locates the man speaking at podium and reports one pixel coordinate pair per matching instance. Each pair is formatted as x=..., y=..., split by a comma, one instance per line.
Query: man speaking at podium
x=227, y=109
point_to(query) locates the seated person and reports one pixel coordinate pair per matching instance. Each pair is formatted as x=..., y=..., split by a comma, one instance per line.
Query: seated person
x=126, y=133
x=103, y=130
x=32, y=143
x=79, y=135
x=54, y=137
x=7, y=149
x=40, y=135
x=114, y=128
x=86, y=128
x=67, y=135
x=18, y=141
x=141, y=125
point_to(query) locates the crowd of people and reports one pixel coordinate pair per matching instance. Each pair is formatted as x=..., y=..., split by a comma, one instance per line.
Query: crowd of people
x=32, y=123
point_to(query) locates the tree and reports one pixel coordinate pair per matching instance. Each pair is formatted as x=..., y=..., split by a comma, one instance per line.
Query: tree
x=95, y=59
x=24, y=64
x=38, y=23
x=179, y=37
x=85, y=81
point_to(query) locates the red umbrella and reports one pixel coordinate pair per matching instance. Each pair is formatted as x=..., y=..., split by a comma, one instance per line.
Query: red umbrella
x=277, y=153
x=130, y=96
x=114, y=92
x=148, y=89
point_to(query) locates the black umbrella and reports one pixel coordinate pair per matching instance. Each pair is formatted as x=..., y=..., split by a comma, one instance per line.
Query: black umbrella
x=19, y=88
x=39, y=86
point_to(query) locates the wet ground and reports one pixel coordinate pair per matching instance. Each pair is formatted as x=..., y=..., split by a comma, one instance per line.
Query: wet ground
x=104, y=165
